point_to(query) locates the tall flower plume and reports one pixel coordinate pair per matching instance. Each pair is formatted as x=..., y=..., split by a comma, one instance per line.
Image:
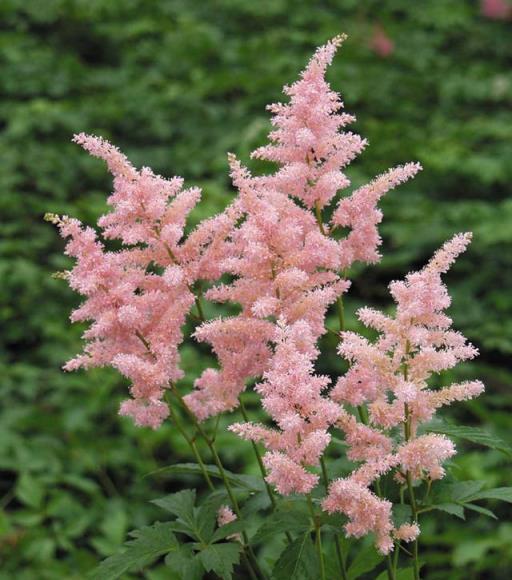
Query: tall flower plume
x=391, y=377
x=285, y=262
x=135, y=313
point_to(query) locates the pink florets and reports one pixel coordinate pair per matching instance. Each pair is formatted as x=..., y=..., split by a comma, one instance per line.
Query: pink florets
x=136, y=316
x=390, y=376
x=306, y=140
x=359, y=212
x=225, y=516
x=496, y=9
x=145, y=413
x=418, y=337
x=407, y=532
x=425, y=454
x=288, y=476
x=365, y=511
x=284, y=263
x=292, y=396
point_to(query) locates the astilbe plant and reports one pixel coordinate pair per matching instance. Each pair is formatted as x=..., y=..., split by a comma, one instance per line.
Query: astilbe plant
x=274, y=254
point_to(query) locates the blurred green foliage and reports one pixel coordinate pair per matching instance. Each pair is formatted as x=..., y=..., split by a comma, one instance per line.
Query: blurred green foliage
x=176, y=84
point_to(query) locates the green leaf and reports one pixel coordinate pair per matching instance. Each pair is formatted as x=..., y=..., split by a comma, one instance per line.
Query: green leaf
x=298, y=561
x=339, y=441
x=366, y=560
x=480, y=510
x=221, y=558
x=401, y=574
x=402, y=514
x=453, y=509
x=180, y=504
x=282, y=521
x=455, y=492
x=228, y=530
x=182, y=528
x=40, y=549
x=473, y=551
x=332, y=523
x=29, y=490
x=257, y=502
x=461, y=490
x=245, y=482
x=206, y=518
x=500, y=493
x=475, y=435
x=185, y=563
x=150, y=542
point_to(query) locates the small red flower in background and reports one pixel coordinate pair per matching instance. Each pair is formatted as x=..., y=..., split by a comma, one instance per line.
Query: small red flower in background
x=496, y=9
x=381, y=43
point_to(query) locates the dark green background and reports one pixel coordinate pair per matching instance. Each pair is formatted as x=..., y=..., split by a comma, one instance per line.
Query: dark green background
x=177, y=84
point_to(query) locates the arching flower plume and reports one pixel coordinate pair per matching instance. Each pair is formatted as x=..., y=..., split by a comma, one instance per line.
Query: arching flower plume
x=136, y=314
x=391, y=376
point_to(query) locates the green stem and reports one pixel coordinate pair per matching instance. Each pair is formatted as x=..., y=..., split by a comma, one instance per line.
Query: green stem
x=395, y=556
x=248, y=566
x=389, y=560
x=363, y=416
x=391, y=566
x=263, y=471
x=318, y=538
x=410, y=489
x=339, y=301
x=192, y=446
x=318, y=215
x=341, y=313
x=397, y=544
x=212, y=448
x=339, y=552
x=211, y=445
x=414, y=509
x=199, y=306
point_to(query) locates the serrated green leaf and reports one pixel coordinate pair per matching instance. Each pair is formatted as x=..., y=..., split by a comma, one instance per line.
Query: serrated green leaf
x=182, y=528
x=180, y=504
x=148, y=544
x=298, y=561
x=185, y=563
x=474, y=435
x=257, y=502
x=206, y=517
x=332, y=523
x=228, y=530
x=365, y=560
x=480, y=510
x=500, y=493
x=453, y=509
x=221, y=558
x=455, y=492
x=282, y=521
x=402, y=514
x=244, y=482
